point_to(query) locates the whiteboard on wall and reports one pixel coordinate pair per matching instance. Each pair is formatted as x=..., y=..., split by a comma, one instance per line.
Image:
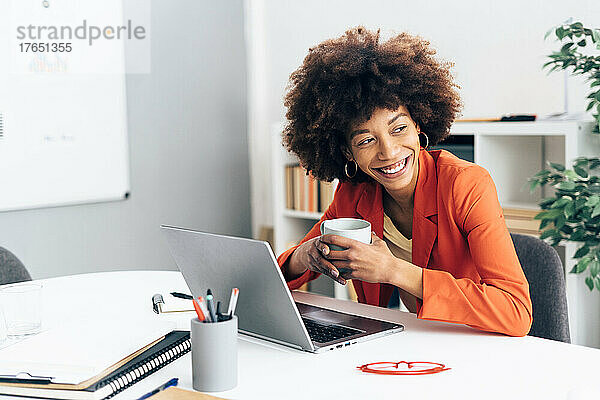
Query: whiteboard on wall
x=63, y=133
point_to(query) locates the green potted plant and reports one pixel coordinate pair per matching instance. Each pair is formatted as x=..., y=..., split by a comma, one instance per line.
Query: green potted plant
x=573, y=212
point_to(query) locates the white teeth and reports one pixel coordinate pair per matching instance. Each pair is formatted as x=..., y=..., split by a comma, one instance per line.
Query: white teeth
x=391, y=171
x=397, y=167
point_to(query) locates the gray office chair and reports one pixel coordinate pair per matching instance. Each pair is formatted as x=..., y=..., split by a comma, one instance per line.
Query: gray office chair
x=11, y=269
x=545, y=274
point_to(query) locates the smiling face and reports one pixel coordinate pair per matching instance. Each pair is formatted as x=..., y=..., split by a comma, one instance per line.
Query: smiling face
x=386, y=148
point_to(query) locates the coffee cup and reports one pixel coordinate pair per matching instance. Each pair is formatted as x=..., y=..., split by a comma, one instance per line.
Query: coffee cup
x=351, y=228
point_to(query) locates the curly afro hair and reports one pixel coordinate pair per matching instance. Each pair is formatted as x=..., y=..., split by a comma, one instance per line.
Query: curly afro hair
x=342, y=81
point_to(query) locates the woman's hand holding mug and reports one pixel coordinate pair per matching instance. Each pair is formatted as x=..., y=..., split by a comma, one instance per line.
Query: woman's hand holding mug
x=312, y=255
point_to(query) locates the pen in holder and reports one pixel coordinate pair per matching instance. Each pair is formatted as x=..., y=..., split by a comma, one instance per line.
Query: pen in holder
x=214, y=355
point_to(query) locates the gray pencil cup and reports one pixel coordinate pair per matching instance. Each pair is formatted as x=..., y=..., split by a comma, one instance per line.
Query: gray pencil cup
x=214, y=355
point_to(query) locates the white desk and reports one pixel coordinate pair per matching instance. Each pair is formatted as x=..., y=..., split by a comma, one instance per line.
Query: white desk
x=483, y=365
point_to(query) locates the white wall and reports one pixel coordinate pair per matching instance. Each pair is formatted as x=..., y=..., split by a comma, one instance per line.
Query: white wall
x=497, y=47
x=188, y=154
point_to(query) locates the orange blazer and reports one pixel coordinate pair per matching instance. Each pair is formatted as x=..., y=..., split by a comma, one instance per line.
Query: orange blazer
x=471, y=273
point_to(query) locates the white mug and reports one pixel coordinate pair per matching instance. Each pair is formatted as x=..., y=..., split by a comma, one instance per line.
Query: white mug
x=351, y=228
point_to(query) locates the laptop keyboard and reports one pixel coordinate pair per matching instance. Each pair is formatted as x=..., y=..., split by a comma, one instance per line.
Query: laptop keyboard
x=322, y=333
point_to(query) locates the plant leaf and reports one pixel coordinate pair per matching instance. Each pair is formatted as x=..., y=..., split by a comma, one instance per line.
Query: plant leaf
x=597, y=281
x=593, y=188
x=596, y=211
x=578, y=235
x=594, y=164
x=547, y=201
x=580, y=203
x=565, y=48
x=567, y=230
x=580, y=171
x=549, y=233
x=582, y=251
x=560, y=221
x=594, y=268
x=566, y=185
x=582, y=265
x=592, y=200
x=571, y=174
x=545, y=223
x=560, y=203
x=557, y=166
x=533, y=184
x=569, y=209
x=550, y=214
x=589, y=282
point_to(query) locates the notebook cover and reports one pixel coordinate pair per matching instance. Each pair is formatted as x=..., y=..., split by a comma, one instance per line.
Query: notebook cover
x=129, y=363
x=171, y=340
x=79, y=386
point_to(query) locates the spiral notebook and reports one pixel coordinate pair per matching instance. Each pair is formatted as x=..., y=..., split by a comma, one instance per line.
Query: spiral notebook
x=91, y=381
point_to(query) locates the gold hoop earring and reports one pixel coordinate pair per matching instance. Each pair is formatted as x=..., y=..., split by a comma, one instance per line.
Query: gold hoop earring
x=355, y=169
x=426, y=140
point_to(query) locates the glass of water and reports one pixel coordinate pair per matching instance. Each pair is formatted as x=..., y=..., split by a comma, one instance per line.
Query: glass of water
x=21, y=304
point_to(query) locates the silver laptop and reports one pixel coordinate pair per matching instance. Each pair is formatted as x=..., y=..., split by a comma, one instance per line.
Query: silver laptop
x=265, y=306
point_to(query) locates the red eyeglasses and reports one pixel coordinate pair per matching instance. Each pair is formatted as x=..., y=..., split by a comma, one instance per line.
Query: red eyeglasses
x=393, y=368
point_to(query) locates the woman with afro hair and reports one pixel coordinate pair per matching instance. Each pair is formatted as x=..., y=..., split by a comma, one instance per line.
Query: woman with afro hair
x=365, y=111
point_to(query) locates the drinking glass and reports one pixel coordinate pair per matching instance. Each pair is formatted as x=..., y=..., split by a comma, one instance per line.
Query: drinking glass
x=21, y=303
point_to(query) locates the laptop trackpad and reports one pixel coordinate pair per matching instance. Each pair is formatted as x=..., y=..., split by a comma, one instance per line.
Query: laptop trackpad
x=329, y=317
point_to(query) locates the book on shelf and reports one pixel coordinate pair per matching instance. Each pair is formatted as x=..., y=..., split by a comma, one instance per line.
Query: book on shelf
x=289, y=189
x=521, y=220
x=313, y=194
x=326, y=190
x=305, y=193
x=298, y=188
x=89, y=360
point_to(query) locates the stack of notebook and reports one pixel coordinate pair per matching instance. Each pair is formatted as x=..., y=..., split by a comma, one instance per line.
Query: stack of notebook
x=88, y=361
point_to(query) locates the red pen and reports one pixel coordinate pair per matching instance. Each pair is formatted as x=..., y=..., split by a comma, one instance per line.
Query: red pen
x=202, y=305
x=198, y=310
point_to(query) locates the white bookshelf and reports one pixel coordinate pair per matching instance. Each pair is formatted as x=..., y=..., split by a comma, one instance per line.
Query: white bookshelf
x=290, y=226
x=512, y=152
x=315, y=216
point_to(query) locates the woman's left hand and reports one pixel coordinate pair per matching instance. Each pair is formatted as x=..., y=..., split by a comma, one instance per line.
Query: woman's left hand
x=368, y=262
